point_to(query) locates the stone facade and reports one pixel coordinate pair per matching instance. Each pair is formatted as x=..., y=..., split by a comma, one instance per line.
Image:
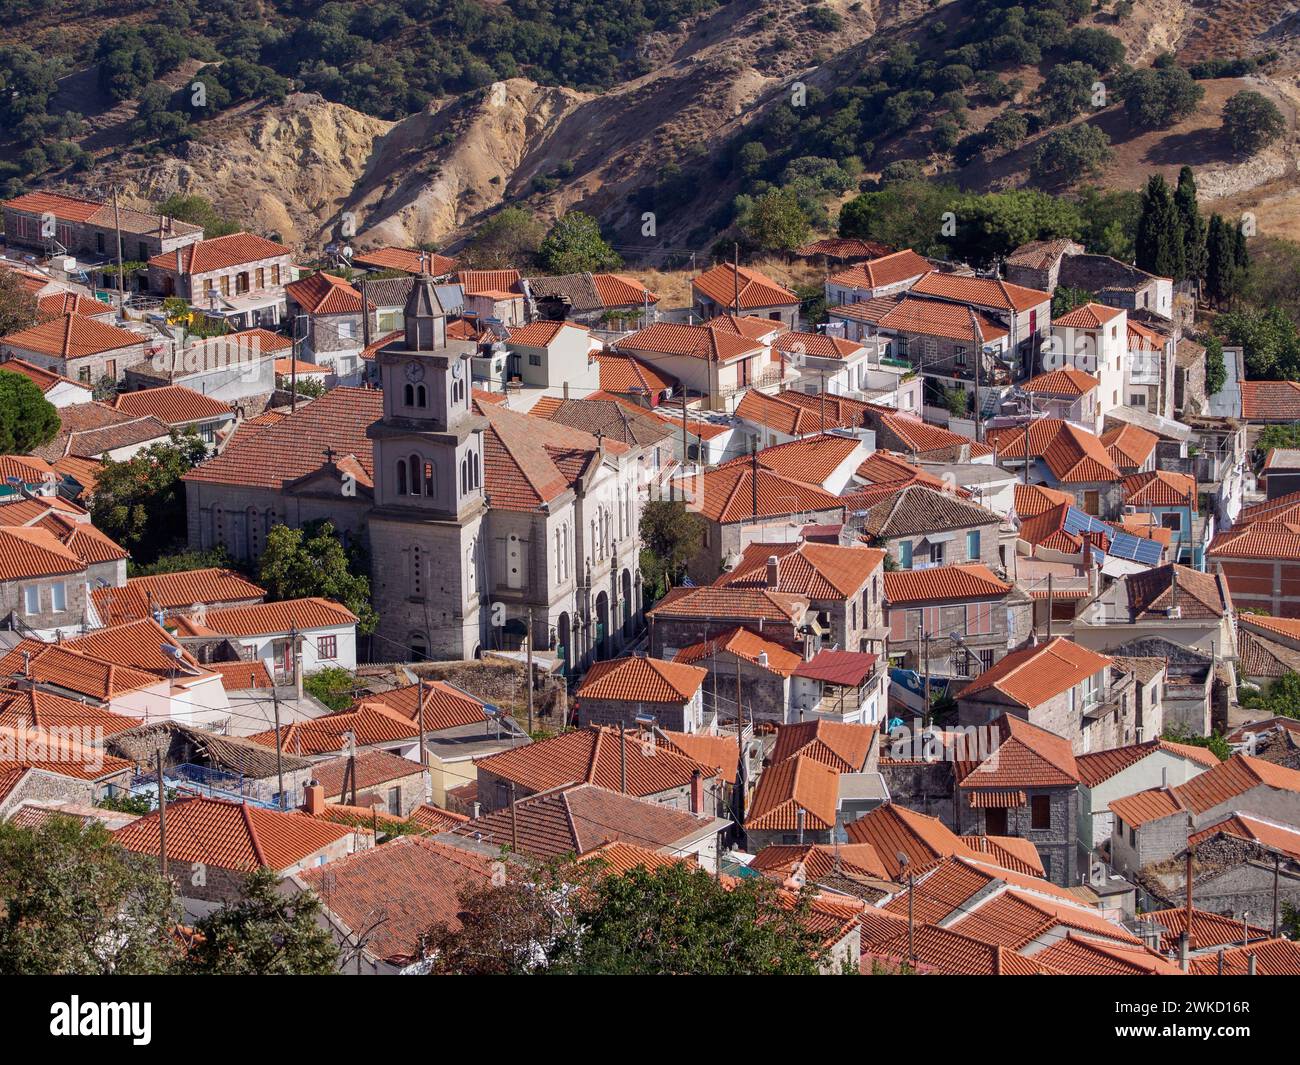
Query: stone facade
x=1048, y=821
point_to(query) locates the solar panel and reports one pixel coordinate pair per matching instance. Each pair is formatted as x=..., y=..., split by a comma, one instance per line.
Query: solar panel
x=1122, y=544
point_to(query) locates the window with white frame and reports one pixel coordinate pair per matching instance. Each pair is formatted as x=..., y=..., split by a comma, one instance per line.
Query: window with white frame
x=32, y=599
x=59, y=596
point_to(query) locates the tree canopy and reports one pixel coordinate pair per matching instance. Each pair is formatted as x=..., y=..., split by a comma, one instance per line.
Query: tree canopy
x=27, y=418
x=140, y=501
x=1251, y=121
x=574, y=245
x=311, y=561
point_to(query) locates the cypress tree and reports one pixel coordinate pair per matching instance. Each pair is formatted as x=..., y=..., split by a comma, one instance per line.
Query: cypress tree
x=1193, y=224
x=1159, y=244
x=1220, y=261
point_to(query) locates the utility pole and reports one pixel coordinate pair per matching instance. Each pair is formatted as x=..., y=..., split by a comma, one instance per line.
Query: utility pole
x=739, y=718
x=424, y=754
x=365, y=315
x=530, y=673
x=735, y=275
x=927, y=678
x=1276, y=863
x=1050, y=605
x=279, y=766
x=1028, y=422
x=622, y=759
x=162, y=811
x=514, y=821
x=293, y=367
x=121, y=285
x=822, y=375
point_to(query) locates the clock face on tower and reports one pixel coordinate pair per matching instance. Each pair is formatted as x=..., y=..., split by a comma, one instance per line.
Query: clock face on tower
x=457, y=368
x=414, y=371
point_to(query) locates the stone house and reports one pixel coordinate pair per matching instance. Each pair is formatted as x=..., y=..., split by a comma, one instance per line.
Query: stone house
x=991, y=616
x=1029, y=788
x=213, y=844
x=602, y=756
x=326, y=312
x=1038, y=263
x=1057, y=686
x=744, y=669
x=796, y=802
x=727, y=288
x=718, y=365
x=884, y=275
x=687, y=616
x=82, y=349
x=1154, y=826
x=843, y=585
x=239, y=278
x=921, y=527
x=1105, y=776
x=627, y=691
x=377, y=778
x=1118, y=284
x=89, y=229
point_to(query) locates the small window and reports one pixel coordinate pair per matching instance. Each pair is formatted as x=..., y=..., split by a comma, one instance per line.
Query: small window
x=534, y=360
x=347, y=329
x=58, y=596
x=327, y=647
x=1040, y=812
x=32, y=599
x=905, y=554
x=938, y=552
x=973, y=545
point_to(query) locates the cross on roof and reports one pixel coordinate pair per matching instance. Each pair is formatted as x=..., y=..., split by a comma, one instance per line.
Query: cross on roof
x=329, y=454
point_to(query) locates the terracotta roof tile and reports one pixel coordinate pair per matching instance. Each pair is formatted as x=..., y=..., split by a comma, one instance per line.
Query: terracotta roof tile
x=261, y=619
x=920, y=509
x=1027, y=757
x=640, y=679
x=591, y=756
x=1274, y=957
x=970, y=581
x=369, y=722
x=619, y=290
x=1208, y=929
x=731, y=286
x=1160, y=488
x=844, y=748
x=1066, y=382
x=1128, y=445
x=173, y=405
x=579, y=819
x=718, y=752
x=322, y=293
x=817, y=861
x=1079, y=955
x=1034, y=675
x=218, y=253
x=746, y=644
x=1270, y=400
x=980, y=291
x=1089, y=316
x=889, y=269
x=411, y=260
x=71, y=336
x=799, y=783
x=928, y=317
x=1259, y=539
x=626, y=373
x=230, y=835
x=817, y=571
x=23, y=748
x=1096, y=767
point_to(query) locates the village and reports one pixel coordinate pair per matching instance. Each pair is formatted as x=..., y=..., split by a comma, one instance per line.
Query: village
x=962, y=628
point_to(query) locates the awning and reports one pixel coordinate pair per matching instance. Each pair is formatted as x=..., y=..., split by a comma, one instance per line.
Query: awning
x=997, y=799
x=939, y=537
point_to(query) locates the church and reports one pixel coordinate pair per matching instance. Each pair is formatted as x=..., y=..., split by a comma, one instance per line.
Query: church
x=473, y=516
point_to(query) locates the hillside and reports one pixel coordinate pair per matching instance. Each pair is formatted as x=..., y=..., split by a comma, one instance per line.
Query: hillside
x=658, y=134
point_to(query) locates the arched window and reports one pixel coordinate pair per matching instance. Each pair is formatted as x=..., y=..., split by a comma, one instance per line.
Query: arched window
x=478, y=475
x=464, y=475
x=421, y=397
x=408, y=396
x=415, y=475
x=401, y=477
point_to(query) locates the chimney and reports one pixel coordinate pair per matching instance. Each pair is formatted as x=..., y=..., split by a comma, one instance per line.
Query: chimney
x=762, y=659
x=1250, y=966
x=179, y=268
x=772, y=572
x=313, y=798
x=1182, y=950
x=697, y=792
x=475, y=810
